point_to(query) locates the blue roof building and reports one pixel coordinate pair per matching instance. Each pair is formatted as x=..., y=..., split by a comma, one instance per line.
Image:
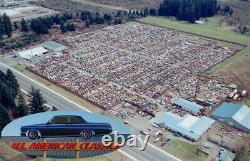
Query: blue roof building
x=188, y=126
x=54, y=46
x=188, y=105
x=237, y=115
x=225, y=155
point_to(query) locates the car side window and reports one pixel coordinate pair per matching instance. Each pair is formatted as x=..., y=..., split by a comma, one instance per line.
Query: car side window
x=60, y=120
x=76, y=120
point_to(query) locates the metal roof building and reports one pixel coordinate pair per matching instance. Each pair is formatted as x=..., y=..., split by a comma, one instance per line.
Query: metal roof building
x=28, y=54
x=225, y=155
x=237, y=115
x=188, y=105
x=54, y=46
x=188, y=126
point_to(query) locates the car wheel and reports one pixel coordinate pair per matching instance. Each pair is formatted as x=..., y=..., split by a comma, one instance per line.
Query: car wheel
x=33, y=134
x=87, y=134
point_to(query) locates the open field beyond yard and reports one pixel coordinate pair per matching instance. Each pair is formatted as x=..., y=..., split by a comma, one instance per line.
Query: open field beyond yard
x=131, y=4
x=75, y=6
x=241, y=11
x=234, y=69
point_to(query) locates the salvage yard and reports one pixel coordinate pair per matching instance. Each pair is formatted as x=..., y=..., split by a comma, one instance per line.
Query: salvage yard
x=233, y=69
x=139, y=67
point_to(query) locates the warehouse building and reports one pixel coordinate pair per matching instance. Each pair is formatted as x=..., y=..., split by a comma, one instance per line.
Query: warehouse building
x=237, y=115
x=225, y=155
x=188, y=126
x=53, y=46
x=30, y=53
x=188, y=105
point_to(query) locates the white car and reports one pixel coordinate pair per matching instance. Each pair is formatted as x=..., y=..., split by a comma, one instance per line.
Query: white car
x=157, y=139
x=155, y=125
x=158, y=133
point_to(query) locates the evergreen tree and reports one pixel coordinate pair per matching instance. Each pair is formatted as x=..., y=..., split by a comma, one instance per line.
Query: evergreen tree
x=37, y=101
x=153, y=12
x=107, y=17
x=2, y=77
x=24, y=26
x=70, y=27
x=146, y=11
x=87, y=23
x=231, y=12
x=86, y=15
x=141, y=13
x=192, y=16
x=6, y=96
x=117, y=21
x=4, y=117
x=22, y=108
x=12, y=81
x=39, y=27
x=1, y=27
x=119, y=13
x=7, y=25
x=56, y=19
x=15, y=25
x=63, y=27
x=189, y=10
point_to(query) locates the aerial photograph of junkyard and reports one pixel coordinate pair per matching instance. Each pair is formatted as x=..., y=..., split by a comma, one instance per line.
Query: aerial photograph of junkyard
x=174, y=71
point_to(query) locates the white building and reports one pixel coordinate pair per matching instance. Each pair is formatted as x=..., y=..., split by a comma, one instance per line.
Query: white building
x=30, y=53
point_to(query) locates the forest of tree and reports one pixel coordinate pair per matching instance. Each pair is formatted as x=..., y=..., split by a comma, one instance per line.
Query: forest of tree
x=13, y=103
x=188, y=10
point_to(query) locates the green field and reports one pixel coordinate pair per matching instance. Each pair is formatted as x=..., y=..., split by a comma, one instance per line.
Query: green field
x=245, y=158
x=211, y=28
x=185, y=151
x=1, y=159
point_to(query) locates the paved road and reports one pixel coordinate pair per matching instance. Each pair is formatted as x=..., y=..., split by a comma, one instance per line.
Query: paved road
x=151, y=153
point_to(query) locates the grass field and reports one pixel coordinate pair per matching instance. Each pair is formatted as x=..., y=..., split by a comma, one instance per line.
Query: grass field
x=234, y=69
x=245, y=158
x=1, y=159
x=185, y=151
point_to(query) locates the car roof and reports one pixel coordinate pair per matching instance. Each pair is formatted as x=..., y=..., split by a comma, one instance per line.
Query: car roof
x=67, y=116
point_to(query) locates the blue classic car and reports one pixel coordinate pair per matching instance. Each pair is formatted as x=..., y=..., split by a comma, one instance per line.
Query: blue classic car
x=65, y=126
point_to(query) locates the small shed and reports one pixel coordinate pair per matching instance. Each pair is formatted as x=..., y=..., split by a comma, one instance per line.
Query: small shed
x=188, y=105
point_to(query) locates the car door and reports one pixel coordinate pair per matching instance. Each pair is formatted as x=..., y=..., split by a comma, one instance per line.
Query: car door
x=75, y=126
x=59, y=127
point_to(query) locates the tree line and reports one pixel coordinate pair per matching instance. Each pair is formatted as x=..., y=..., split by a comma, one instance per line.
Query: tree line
x=13, y=103
x=42, y=25
x=188, y=10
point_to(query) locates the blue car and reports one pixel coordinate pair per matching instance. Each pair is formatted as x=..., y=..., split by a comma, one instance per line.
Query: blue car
x=65, y=126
